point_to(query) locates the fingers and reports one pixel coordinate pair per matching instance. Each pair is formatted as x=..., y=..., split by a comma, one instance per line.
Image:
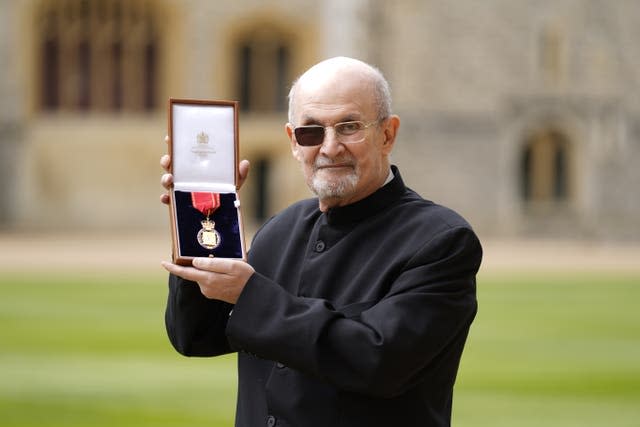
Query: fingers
x=215, y=265
x=243, y=171
x=218, y=278
x=165, y=162
x=167, y=181
x=201, y=269
x=188, y=273
x=167, y=178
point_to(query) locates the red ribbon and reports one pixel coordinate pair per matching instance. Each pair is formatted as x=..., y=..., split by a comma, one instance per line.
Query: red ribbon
x=206, y=203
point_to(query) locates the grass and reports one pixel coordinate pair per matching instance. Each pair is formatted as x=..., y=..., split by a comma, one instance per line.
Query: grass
x=82, y=351
x=552, y=350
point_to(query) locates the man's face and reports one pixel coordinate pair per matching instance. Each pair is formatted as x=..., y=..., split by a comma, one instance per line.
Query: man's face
x=340, y=173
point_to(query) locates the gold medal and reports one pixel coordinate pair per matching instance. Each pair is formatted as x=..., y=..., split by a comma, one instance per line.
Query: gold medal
x=208, y=237
x=207, y=203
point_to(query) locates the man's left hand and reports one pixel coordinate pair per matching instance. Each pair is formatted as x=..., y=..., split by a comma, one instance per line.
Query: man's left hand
x=219, y=278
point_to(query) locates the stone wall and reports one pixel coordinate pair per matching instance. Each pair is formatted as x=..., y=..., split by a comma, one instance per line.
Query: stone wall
x=469, y=79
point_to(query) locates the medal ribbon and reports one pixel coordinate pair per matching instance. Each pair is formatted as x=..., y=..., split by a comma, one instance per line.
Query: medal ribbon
x=207, y=203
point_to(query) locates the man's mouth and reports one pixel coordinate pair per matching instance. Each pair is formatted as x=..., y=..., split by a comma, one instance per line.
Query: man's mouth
x=334, y=165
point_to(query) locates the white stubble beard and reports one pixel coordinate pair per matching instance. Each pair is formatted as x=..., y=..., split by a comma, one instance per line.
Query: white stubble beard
x=326, y=189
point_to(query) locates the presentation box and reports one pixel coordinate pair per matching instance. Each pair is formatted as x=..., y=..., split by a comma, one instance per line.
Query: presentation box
x=206, y=219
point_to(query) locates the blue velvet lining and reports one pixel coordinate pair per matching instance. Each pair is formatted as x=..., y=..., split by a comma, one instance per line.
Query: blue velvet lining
x=227, y=224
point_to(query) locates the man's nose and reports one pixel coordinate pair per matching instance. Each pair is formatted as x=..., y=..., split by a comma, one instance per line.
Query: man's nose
x=331, y=145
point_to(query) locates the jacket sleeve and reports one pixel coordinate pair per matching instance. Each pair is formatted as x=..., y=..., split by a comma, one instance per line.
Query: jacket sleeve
x=417, y=330
x=195, y=324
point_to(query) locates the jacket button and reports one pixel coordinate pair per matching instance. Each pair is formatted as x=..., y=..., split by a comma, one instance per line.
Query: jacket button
x=320, y=245
x=271, y=421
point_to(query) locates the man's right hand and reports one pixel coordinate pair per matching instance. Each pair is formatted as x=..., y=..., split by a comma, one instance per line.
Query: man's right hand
x=167, y=178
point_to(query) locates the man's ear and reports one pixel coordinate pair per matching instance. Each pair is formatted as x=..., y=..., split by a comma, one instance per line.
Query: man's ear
x=295, y=148
x=390, y=131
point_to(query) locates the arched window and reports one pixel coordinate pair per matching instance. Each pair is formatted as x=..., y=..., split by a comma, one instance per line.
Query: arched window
x=98, y=55
x=263, y=57
x=544, y=167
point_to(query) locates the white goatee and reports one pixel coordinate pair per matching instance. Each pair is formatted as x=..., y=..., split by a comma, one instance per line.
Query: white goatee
x=332, y=188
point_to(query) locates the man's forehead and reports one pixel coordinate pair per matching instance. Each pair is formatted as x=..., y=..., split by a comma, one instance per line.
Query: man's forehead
x=326, y=115
x=347, y=99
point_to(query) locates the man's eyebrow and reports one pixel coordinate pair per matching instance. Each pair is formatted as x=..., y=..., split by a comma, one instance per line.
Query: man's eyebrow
x=351, y=117
x=309, y=120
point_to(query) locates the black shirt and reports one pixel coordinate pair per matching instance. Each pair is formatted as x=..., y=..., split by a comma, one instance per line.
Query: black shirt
x=354, y=317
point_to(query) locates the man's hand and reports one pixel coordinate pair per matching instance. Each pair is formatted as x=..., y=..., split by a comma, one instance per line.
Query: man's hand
x=219, y=278
x=167, y=178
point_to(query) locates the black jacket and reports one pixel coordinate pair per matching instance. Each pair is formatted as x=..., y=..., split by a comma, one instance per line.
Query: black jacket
x=354, y=317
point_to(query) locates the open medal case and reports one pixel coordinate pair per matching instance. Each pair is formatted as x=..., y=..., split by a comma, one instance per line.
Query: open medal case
x=206, y=220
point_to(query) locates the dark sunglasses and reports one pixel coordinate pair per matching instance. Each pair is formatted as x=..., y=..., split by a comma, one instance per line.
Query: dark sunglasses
x=347, y=132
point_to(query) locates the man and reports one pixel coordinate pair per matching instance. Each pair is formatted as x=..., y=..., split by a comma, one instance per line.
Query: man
x=353, y=308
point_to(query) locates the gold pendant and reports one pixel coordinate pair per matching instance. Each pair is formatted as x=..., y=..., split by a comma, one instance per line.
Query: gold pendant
x=209, y=237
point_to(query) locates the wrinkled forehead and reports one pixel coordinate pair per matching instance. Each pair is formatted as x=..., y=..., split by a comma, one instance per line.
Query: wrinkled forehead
x=339, y=92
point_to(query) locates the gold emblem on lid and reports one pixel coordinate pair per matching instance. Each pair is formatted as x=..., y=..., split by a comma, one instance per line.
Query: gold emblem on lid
x=202, y=138
x=202, y=147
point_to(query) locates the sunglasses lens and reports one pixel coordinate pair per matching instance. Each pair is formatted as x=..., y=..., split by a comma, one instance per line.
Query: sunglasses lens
x=309, y=135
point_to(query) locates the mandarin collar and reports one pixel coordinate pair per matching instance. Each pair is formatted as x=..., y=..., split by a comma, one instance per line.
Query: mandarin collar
x=370, y=205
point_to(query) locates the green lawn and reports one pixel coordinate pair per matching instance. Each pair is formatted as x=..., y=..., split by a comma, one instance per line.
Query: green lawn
x=554, y=350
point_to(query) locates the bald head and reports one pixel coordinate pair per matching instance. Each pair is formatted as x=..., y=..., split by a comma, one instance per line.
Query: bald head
x=347, y=71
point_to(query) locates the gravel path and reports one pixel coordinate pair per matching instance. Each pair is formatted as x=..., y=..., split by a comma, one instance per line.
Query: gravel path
x=143, y=252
